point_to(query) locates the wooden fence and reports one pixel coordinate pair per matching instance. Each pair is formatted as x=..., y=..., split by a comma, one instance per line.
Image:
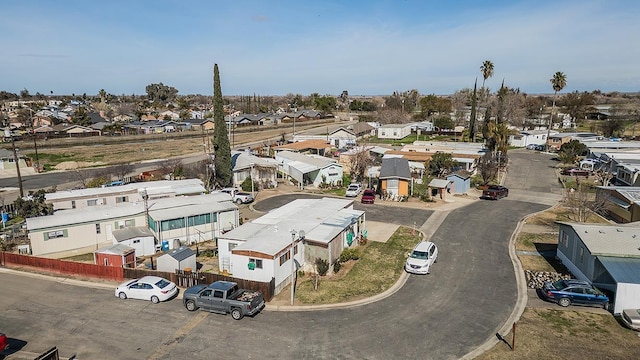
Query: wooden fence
x=181, y=278
x=190, y=278
x=62, y=266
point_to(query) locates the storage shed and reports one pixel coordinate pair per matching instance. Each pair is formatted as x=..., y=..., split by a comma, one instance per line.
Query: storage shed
x=177, y=259
x=460, y=182
x=118, y=255
x=139, y=237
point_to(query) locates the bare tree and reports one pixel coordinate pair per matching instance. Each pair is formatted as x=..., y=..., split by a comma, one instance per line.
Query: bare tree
x=122, y=170
x=488, y=167
x=359, y=163
x=582, y=203
x=170, y=166
x=83, y=176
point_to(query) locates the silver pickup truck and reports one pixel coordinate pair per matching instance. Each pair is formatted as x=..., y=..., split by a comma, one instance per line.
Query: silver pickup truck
x=223, y=297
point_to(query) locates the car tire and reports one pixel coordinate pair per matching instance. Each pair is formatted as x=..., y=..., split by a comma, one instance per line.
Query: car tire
x=191, y=305
x=238, y=201
x=154, y=299
x=122, y=295
x=564, y=302
x=236, y=314
x=605, y=306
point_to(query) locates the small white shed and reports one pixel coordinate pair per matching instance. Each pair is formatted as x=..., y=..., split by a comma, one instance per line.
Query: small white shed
x=177, y=259
x=138, y=237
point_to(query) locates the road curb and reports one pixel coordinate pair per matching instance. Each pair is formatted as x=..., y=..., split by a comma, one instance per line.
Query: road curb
x=345, y=305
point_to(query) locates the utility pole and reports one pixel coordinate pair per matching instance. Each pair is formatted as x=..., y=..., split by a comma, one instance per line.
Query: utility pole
x=15, y=159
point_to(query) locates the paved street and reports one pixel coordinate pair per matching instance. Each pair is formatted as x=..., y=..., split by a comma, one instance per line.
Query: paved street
x=461, y=304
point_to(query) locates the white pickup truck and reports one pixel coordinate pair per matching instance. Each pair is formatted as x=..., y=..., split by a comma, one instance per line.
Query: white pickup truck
x=238, y=196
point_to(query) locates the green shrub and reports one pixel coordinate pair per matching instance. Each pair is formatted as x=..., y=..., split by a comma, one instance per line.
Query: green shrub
x=350, y=254
x=322, y=266
x=337, y=265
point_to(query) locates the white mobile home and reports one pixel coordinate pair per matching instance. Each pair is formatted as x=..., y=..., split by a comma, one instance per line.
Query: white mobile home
x=261, y=250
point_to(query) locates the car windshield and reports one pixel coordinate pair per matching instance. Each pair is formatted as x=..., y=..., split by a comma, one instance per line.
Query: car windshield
x=353, y=187
x=419, y=255
x=560, y=284
x=162, y=283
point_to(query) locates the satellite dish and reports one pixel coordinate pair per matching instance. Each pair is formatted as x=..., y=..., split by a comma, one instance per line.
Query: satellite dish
x=301, y=234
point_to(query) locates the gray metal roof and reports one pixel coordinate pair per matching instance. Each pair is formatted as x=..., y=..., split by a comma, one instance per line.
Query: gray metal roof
x=395, y=167
x=177, y=187
x=439, y=183
x=131, y=232
x=181, y=253
x=117, y=249
x=622, y=270
x=609, y=240
x=322, y=220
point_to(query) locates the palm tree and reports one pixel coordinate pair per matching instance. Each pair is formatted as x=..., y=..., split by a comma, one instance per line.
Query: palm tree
x=487, y=70
x=558, y=82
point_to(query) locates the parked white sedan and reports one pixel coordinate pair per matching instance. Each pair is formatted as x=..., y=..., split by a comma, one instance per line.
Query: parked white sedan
x=353, y=190
x=421, y=258
x=152, y=288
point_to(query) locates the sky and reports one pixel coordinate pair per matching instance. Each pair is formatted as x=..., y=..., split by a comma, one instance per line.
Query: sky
x=271, y=47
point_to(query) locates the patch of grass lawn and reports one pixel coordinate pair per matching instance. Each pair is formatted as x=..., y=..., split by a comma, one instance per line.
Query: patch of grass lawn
x=378, y=268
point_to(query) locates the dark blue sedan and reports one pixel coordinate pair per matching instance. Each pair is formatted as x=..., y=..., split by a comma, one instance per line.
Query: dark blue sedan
x=567, y=292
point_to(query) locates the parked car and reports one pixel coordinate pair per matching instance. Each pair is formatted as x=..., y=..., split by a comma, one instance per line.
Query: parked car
x=575, y=172
x=223, y=297
x=368, y=196
x=494, y=192
x=353, y=190
x=4, y=342
x=531, y=146
x=421, y=258
x=631, y=318
x=153, y=288
x=238, y=196
x=539, y=148
x=573, y=291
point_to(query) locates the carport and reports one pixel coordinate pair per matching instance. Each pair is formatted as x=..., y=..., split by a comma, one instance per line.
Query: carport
x=622, y=277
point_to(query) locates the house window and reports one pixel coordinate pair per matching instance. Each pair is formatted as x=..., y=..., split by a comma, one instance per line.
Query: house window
x=97, y=228
x=199, y=219
x=581, y=254
x=54, y=234
x=258, y=262
x=93, y=202
x=122, y=199
x=106, y=261
x=73, y=204
x=284, y=258
x=295, y=249
x=565, y=239
x=172, y=224
x=232, y=246
x=128, y=223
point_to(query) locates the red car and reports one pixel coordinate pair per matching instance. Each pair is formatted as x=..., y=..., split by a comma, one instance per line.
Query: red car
x=368, y=196
x=3, y=341
x=495, y=192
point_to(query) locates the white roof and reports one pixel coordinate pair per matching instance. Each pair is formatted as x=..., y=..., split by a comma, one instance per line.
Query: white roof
x=177, y=187
x=609, y=240
x=306, y=163
x=322, y=221
x=159, y=209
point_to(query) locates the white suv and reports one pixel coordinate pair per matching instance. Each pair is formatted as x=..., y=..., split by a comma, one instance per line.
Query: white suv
x=353, y=190
x=421, y=258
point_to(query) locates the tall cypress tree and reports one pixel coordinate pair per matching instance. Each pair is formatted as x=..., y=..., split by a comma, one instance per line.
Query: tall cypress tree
x=222, y=159
x=472, y=120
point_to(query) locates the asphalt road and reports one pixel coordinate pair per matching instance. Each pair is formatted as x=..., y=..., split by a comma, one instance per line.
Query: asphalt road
x=461, y=304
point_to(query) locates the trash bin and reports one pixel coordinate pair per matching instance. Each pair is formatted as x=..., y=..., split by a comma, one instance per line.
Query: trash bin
x=165, y=246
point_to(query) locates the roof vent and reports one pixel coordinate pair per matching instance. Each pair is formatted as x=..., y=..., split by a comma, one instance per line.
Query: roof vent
x=619, y=230
x=601, y=231
x=634, y=236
